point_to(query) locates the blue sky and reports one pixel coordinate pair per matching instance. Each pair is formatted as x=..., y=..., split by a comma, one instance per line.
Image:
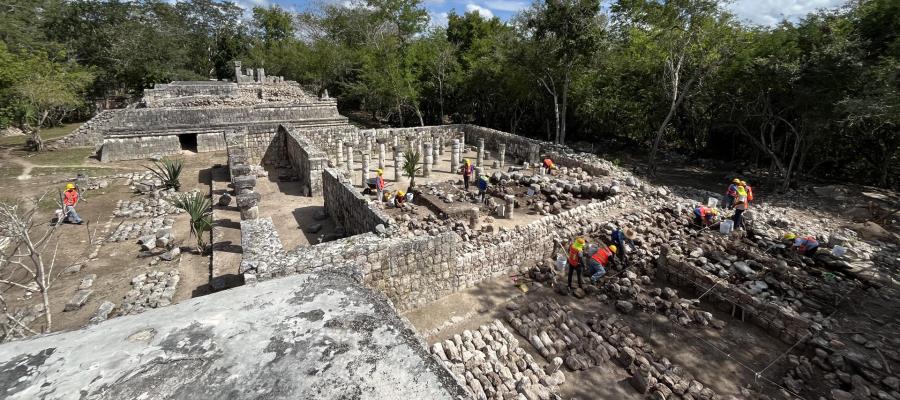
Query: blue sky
x=761, y=12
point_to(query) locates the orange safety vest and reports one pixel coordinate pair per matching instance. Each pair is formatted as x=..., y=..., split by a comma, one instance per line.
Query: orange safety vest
x=548, y=163
x=573, y=255
x=749, y=194
x=71, y=197
x=602, y=256
x=379, y=182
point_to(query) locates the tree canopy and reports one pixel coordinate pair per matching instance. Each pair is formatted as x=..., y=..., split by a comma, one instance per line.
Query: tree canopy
x=812, y=97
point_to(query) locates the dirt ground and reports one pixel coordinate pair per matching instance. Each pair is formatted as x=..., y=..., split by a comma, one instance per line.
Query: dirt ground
x=113, y=263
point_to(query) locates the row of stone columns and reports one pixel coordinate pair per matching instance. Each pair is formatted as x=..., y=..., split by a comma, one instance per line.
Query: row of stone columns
x=243, y=180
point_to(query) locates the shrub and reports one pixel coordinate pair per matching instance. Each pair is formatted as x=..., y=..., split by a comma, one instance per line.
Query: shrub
x=411, y=166
x=168, y=171
x=199, y=208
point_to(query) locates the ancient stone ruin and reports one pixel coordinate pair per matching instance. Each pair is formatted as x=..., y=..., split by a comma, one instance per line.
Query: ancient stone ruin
x=330, y=316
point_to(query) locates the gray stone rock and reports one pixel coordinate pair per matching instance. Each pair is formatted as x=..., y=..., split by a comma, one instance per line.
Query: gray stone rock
x=224, y=200
x=102, y=313
x=78, y=300
x=247, y=200
x=171, y=254
x=87, y=282
x=624, y=306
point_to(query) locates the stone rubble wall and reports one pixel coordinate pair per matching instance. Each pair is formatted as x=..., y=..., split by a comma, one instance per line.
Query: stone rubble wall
x=588, y=163
x=517, y=147
x=139, y=121
x=308, y=161
x=347, y=206
x=778, y=321
x=207, y=142
x=134, y=148
x=89, y=133
x=326, y=138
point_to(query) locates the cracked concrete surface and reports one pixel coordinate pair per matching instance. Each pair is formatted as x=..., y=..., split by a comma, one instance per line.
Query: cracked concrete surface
x=306, y=336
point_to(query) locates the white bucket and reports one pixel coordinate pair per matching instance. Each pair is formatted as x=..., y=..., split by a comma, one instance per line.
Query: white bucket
x=726, y=226
x=560, y=263
x=838, y=251
x=678, y=209
x=712, y=202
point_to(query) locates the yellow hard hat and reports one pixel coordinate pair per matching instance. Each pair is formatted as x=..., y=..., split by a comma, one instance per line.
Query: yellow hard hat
x=744, y=183
x=579, y=243
x=70, y=186
x=468, y=162
x=789, y=236
x=379, y=171
x=613, y=248
x=400, y=193
x=715, y=211
x=735, y=180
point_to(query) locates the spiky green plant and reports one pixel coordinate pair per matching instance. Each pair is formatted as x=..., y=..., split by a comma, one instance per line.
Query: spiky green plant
x=199, y=208
x=411, y=166
x=168, y=171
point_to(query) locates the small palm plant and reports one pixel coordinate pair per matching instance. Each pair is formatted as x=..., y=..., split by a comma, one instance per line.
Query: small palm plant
x=168, y=171
x=199, y=208
x=411, y=166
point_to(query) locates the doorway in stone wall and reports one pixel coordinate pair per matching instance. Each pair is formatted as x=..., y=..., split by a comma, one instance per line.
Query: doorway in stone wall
x=188, y=142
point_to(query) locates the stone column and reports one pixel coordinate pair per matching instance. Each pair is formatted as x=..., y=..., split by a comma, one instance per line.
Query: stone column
x=237, y=71
x=420, y=149
x=381, y=156
x=462, y=148
x=340, y=153
x=261, y=75
x=368, y=145
x=454, y=156
x=437, y=150
x=510, y=205
x=480, y=160
x=349, y=158
x=365, y=169
x=398, y=163
x=501, y=153
x=396, y=141
x=428, y=160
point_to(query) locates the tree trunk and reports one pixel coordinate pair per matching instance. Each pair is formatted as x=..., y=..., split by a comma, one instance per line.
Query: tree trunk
x=556, y=116
x=419, y=114
x=676, y=102
x=441, y=100
x=562, y=111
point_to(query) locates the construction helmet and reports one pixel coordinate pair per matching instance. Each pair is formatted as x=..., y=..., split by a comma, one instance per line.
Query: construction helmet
x=715, y=211
x=735, y=180
x=70, y=186
x=743, y=183
x=579, y=243
x=379, y=171
x=613, y=248
x=468, y=161
x=401, y=193
x=789, y=236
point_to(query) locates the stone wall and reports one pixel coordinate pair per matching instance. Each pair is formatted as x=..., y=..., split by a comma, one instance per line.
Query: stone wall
x=589, y=163
x=517, y=147
x=778, y=321
x=142, y=121
x=89, y=133
x=207, y=142
x=308, y=161
x=347, y=206
x=139, y=147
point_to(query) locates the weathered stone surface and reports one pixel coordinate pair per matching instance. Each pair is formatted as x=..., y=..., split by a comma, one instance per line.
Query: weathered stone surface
x=208, y=340
x=78, y=299
x=224, y=200
x=102, y=312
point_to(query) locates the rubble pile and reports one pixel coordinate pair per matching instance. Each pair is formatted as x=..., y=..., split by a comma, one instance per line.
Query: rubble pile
x=490, y=363
x=157, y=204
x=555, y=332
x=150, y=290
x=157, y=227
x=629, y=290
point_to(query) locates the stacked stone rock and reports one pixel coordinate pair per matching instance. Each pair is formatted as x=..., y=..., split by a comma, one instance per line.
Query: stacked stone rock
x=243, y=180
x=133, y=230
x=630, y=291
x=156, y=205
x=348, y=207
x=554, y=331
x=455, y=156
x=428, y=160
x=490, y=363
x=307, y=161
x=398, y=163
x=150, y=290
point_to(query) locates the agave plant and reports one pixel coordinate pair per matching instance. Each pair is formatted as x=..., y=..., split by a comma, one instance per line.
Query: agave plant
x=411, y=166
x=199, y=208
x=168, y=171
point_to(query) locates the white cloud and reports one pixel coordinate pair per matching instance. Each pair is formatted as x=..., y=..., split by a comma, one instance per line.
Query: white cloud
x=438, y=19
x=485, y=13
x=771, y=12
x=506, y=5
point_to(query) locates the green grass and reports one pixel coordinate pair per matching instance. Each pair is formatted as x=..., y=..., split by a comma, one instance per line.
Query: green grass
x=10, y=170
x=74, y=170
x=73, y=156
x=47, y=134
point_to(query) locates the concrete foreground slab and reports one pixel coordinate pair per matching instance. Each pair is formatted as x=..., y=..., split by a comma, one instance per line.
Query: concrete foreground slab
x=307, y=336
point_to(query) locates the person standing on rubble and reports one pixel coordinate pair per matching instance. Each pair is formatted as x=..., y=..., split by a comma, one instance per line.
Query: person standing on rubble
x=597, y=259
x=466, y=171
x=575, y=260
x=622, y=239
x=731, y=194
x=740, y=205
x=379, y=183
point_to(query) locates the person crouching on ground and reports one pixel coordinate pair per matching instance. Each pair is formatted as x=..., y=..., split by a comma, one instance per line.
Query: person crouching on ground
x=70, y=200
x=576, y=254
x=705, y=216
x=807, y=245
x=548, y=166
x=598, y=259
x=482, y=187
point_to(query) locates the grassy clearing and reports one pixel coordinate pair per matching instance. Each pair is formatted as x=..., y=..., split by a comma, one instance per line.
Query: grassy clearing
x=75, y=170
x=73, y=156
x=9, y=170
x=47, y=134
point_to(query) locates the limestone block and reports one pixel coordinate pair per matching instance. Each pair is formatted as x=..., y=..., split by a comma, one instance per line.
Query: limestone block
x=78, y=300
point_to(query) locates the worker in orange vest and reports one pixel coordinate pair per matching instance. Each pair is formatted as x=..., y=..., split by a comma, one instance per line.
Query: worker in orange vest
x=70, y=200
x=548, y=166
x=807, y=245
x=467, y=170
x=705, y=216
x=598, y=259
x=576, y=253
x=749, y=190
x=379, y=183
